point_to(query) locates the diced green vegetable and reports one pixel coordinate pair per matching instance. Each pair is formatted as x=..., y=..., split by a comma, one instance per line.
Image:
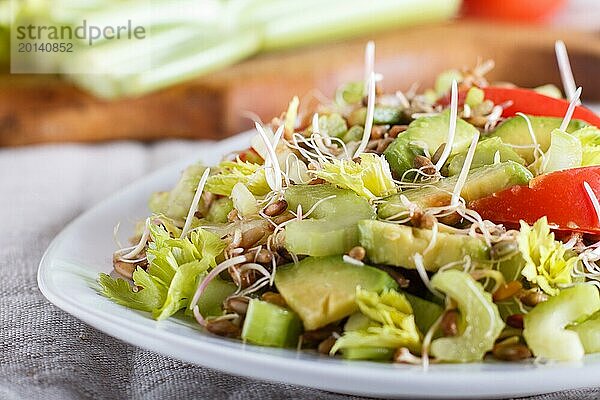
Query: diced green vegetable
x=354, y=134
x=485, y=154
x=267, y=324
x=349, y=93
x=481, y=182
x=545, y=331
x=590, y=142
x=394, y=244
x=243, y=200
x=219, y=209
x=475, y=96
x=368, y=353
x=549, y=90
x=589, y=333
x=331, y=228
x=427, y=134
x=480, y=315
x=382, y=115
x=211, y=302
x=322, y=290
x=443, y=82
x=180, y=198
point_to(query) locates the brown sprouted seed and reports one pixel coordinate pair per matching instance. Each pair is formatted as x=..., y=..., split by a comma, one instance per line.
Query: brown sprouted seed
x=275, y=208
x=449, y=323
x=424, y=164
x=232, y=216
x=326, y=345
x=438, y=153
x=238, y=305
x=396, y=130
x=263, y=256
x=124, y=269
x=378, y=132
x=358, y=253
x=318, y=335
x=274, y=298
x=503, y=249
x=507, y=290
x=511, y=352
x=252, y=236
x=223, y=327
x=316, y=181
x=515, y=320
x=534, y=298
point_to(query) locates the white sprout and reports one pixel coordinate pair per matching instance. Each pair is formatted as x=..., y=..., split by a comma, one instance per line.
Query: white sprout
x=369, y=118
x=141, y=244
x=352, y=261
x=464, y=172
x=537, y=151
x=593, y=199
x=569, y=114
x=427, y=342
x=497, y=159
x=194, y=205
x=452, y=126
x=369, y=62
x=273, y=175
x=564, y=66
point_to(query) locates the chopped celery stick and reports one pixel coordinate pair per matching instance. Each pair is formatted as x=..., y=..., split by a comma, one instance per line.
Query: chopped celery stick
x=368, y=353
x=545, y=331
x=474, y=97
x=589, y=333
x=211, y=301
x=480, y=314
x=269, y=325
x=219, y=210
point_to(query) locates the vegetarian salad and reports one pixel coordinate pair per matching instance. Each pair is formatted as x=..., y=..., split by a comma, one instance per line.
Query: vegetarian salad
x=438, y=226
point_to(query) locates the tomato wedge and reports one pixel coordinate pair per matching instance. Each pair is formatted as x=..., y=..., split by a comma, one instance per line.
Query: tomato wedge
x=560, y=196
x=530, y=102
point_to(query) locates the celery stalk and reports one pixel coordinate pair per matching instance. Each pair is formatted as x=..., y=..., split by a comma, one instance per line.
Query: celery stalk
x=269, y=325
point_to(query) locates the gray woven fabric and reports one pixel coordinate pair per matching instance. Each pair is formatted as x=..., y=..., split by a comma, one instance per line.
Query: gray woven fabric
x=46, y=353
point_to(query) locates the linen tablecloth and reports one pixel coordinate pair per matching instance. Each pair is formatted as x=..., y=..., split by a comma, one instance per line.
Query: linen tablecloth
x=46, y=353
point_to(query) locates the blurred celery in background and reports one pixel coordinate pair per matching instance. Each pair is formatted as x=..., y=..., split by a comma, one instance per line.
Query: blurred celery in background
x=187, y=39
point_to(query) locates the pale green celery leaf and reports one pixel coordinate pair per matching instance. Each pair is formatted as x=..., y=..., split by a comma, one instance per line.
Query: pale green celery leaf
x=209, y=245
x=370, y=178
x=547, y=264
x=181, y=289
x=392, y=323
x=590, y=142
x=565, y=152
x=151, y=296
x=232, y=172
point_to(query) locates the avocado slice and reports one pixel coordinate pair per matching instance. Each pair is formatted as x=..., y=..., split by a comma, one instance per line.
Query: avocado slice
x=393, y=244
x=322, y=290
x=485, y=153
x=481, y=182
x=429, y=132
x=331, y=227
x=514, y=131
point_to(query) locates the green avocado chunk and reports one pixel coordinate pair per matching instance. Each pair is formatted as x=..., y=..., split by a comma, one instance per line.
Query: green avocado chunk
x=322, y=290
x=481, y=182
x=396, y=245
x=429, y=132
x=514, y=131
x=485, y=154
x=331, y=228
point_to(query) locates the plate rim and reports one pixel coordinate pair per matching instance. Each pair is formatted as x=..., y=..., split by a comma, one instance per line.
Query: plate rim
x=348, y=377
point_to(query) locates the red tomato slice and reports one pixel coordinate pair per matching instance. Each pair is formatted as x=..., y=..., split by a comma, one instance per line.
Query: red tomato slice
x=530, y=102
x=560, y=196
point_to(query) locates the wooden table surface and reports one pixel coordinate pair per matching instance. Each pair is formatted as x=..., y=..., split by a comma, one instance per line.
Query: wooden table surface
x=37, y=109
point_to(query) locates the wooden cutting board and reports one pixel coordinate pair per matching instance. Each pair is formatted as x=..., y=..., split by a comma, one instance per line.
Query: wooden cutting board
x=38, y=109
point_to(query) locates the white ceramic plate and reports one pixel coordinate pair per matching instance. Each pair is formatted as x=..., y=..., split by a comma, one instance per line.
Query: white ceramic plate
x=67, y=277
